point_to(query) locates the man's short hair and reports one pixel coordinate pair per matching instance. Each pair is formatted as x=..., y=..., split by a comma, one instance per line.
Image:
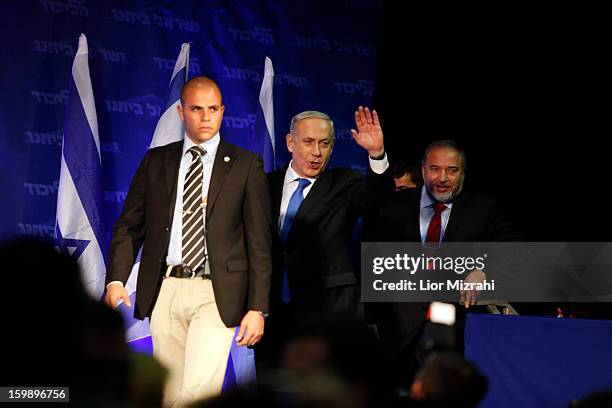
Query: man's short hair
x=199, y=81
x=313, y=114
x=405, y=166
x=446, y=143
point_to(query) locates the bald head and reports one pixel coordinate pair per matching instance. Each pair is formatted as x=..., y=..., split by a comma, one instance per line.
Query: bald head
x=200, y=82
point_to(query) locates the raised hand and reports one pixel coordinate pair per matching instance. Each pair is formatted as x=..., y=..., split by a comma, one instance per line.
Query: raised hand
x=369, y=134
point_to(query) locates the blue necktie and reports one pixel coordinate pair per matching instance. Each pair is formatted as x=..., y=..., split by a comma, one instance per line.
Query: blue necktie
x=294, y=205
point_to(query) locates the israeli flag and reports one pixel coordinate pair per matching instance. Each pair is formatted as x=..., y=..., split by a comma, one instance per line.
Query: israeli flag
x=78, y=228
x=169, y=129
x=263, y=139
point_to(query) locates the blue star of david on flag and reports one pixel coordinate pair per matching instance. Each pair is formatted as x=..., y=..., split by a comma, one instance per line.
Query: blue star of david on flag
x=70, y=247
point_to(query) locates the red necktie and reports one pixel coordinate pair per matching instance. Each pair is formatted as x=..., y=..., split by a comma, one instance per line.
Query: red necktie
x=435, y=225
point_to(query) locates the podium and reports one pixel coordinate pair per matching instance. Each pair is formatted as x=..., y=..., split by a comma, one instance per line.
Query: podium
x=539, y=361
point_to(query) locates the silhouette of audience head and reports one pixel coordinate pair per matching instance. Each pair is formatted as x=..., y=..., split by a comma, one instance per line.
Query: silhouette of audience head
x=60, y=336
x=448, y=379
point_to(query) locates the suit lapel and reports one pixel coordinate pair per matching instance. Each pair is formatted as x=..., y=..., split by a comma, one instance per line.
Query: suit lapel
x=223, y=162
x=456, y=218
x=172, y=161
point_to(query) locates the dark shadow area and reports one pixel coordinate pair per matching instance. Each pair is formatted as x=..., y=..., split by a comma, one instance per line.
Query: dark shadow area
x=521, y=89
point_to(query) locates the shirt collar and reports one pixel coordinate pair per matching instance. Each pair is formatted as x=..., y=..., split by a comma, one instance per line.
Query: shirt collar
x=209, y=145
x=291, y=175
x=427, y=201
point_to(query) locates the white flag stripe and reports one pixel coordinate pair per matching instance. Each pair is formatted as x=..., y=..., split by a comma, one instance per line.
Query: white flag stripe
x=169, y=127
x=181, y=61
x=82, y=80
x=265, y=99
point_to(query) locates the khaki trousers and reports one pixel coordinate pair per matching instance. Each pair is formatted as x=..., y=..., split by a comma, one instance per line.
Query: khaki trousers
x=190, y=340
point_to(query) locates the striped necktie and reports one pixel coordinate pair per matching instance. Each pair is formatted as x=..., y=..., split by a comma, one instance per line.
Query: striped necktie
x=194, y=254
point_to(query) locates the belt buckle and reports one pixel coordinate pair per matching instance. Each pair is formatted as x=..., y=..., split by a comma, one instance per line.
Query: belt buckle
x=187, y=270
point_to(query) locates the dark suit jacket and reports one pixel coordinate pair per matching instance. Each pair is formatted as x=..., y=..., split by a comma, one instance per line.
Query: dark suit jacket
x=474, y=218
x=316, y=255
x=238, y=229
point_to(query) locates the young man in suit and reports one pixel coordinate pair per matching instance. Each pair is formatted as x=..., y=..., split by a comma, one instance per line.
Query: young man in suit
x=440, y=211
x=200, y=208
x=315, y=210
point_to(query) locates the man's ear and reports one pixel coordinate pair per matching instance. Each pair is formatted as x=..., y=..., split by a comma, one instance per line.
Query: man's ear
x=289, y=140
x=179, y=108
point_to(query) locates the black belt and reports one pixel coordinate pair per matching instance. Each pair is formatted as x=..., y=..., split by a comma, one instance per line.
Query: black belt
x=185, y=272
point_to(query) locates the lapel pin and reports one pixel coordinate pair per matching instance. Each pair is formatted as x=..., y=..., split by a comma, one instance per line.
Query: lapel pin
x=226, y=159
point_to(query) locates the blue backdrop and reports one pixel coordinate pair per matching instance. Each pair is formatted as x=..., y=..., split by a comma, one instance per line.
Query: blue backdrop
x=324, y=55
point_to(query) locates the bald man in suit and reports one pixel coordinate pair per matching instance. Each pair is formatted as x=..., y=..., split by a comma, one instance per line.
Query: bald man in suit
x=200, y=208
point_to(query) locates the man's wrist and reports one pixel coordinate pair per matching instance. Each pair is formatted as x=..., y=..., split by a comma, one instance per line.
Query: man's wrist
x=262, y=314
x=377, y=155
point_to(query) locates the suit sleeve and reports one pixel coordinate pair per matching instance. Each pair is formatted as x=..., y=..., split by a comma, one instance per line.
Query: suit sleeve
x=258, y=230
x=129, y=230
x=380, y=223
x=499, y=227
x=369, y=194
